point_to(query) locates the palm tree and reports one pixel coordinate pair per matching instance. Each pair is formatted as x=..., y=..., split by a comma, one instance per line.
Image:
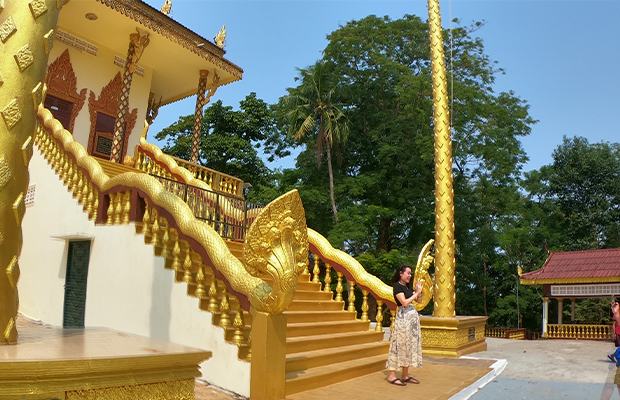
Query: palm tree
x=314, y=108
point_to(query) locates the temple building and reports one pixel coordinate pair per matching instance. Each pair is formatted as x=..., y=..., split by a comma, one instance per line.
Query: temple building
x=574, y=275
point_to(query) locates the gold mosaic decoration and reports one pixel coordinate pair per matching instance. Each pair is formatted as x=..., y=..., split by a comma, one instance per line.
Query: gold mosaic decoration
x=24, y=58
x=37, y=8
x=7, y=29
x=27, y=151
x=12, y=272
x=5, y=171
x=37, y=95
x=48, y=41
x=172, y=390
x=11, y=114
x=19, y=208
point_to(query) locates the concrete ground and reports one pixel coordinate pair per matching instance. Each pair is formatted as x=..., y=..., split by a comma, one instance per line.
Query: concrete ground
x=550, y=369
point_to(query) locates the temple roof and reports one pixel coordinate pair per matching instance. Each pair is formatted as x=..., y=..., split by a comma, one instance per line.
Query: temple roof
x=176, y=54
x=566, y=267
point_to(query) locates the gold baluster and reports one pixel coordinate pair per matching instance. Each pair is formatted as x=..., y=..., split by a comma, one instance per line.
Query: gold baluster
x=392, y=319
x=351, y=297
x=328, y=279
x=83, y=197
x=176, y=251
x=146, y=219
x=64, y=166
x=379, y=327
x=89, y=200
x=213, y=307
x=339, y=287
x=70, y=178
x=364, y=305
x=118, y=208
x=306, y=271
x=316, y=271
x=96, y=203
x=79, y=187
x=239, y=324
x=155, y=228
x=187, y=266
x=224, y=308
x=200, y=288
x=249, y=357
x=164, y=243
x=126, y=206
x=110, y=210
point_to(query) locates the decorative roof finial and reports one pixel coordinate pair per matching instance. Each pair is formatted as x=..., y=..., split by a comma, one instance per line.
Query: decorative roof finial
x=220, y=38
x=166, y=8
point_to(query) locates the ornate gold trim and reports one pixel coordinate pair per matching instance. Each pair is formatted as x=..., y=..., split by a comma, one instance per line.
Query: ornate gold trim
x=560, y=281
x=62, y=83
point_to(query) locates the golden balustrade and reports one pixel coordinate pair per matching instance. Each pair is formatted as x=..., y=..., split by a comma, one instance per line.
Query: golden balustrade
x=495, y=332
x=579, y=331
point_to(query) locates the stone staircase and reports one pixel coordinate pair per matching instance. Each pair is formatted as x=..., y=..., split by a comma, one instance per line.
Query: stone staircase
x=324, y=343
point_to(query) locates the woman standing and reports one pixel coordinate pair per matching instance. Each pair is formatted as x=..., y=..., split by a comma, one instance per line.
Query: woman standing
x=406, y=341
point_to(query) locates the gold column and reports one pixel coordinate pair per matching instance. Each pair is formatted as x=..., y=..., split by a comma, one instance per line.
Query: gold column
x=444, y=297
x=27, y=36
x=202, y=99
x=268, y=356
x=137, y=44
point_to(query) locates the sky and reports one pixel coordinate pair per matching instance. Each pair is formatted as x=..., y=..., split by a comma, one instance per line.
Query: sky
x=561, y=57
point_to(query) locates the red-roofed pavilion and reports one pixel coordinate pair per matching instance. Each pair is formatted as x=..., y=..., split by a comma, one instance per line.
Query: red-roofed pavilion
x=576, y=274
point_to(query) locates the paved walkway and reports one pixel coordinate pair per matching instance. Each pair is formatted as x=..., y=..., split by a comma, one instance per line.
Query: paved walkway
x=549, y=369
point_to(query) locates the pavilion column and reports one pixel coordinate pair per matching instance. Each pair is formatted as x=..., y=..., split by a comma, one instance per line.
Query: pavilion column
x=203, y=97
x=137, y=44
x=572, y=310
x=545, y=316
x=560, y=310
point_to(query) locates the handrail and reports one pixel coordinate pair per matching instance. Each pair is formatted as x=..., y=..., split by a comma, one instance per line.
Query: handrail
x=225, y=213
x=98, y=191
x=219, y=181
x=579, y=331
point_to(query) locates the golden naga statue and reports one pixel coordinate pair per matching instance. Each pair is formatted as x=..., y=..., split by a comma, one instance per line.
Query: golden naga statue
x=425, y=259
x=277, y=245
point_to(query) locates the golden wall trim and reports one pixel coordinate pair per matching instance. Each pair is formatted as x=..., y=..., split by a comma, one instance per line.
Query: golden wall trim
x=560, y=281
x=174, y=390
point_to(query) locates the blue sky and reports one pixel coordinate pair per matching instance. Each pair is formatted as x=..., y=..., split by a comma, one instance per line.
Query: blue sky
x=562, y=57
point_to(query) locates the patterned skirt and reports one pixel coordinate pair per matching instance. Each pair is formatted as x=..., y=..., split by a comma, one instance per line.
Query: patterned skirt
x=406, y=340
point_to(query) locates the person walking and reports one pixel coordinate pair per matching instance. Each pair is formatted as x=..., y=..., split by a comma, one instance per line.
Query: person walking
x=406, y=340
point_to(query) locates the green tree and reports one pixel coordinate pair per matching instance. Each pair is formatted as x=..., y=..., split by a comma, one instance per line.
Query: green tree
x=313, y=109
x=230, y=139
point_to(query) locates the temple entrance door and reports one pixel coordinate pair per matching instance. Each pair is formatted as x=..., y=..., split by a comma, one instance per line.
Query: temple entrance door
x=75, y=284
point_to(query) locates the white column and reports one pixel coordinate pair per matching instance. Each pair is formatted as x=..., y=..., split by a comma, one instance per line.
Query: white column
x=560, y=310
x=545, y=316
x=572, y=310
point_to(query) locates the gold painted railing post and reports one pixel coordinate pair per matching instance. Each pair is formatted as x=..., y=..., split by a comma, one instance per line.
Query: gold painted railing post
x=316, y=271
x=339, y=287
x=268, y=356
x=213, y=307
x=364, y=305
x=392, y=319
x=224, y=308
x=200, y=288
x=379, y=327
x=351, y=297
x=328, y=279
x=239, y=324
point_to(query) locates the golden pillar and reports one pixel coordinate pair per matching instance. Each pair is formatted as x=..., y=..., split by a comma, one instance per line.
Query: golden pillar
x=27, y=36
x=137, y=43
x=444, y=297
x=203, y=97
x=268, y=367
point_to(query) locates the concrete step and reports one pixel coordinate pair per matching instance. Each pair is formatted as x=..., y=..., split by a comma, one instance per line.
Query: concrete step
x=318, y=342
x=325, y=328
x=316, y=358
x=312, y=378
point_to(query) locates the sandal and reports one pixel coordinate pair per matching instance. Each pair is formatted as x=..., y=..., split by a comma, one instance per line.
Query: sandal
x=397, y=384
x=411, y=380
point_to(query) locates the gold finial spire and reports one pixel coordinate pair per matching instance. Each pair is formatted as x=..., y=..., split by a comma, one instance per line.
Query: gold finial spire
x=166, y=8
x=220, y=38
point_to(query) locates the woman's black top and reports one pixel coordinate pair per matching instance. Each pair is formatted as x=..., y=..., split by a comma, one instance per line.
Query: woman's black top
x=398, y=288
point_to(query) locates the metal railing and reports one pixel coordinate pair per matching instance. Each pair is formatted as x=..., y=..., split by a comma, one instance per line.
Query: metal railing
x=229, y=215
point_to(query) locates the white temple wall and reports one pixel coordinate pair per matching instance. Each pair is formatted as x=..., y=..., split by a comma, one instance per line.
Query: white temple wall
x=128, y=287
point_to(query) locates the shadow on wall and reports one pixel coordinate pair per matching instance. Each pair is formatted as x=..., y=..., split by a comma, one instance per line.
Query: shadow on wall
x=161, y=291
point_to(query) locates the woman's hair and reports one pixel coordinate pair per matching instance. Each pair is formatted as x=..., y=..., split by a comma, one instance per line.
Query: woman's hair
x=399, y=270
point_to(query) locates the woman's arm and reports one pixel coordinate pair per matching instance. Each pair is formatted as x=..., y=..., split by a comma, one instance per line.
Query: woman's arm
x=417, y=296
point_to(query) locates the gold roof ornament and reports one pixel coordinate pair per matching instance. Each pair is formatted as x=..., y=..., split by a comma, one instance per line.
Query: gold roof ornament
x=220, y=38
x=166, y=8
x=519, y=271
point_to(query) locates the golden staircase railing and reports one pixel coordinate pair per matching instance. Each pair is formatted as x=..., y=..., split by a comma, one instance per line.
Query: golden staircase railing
x=579, y=331
x=196, y=252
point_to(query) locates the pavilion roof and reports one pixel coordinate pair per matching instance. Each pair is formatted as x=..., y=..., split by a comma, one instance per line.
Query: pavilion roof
x=587, y=266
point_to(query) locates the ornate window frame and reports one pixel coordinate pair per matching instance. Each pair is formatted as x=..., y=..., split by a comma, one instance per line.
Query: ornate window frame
x=62, y=83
